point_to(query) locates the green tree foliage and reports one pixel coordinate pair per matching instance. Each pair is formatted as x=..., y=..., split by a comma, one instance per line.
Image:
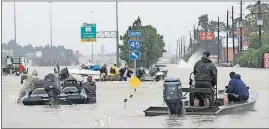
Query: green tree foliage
x=252, y=57
x=152, y=45
x=60, y=54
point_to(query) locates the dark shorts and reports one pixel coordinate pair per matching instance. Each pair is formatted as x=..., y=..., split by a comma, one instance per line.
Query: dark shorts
x=232, y=97
x=202, y=96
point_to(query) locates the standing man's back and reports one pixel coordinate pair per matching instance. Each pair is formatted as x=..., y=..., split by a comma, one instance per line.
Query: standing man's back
x=205, y=73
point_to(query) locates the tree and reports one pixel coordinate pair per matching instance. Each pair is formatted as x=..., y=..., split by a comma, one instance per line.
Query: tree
x=152, y=44
x=58, y=54
x=102, y=49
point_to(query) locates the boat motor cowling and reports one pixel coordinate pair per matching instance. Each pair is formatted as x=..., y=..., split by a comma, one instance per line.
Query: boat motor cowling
x=172, y=95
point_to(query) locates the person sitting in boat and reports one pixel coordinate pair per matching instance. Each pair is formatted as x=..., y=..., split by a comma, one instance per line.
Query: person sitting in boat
x=205, y=76
x=113, y=72
x=103, y=70
x=56, y=68
x=124, y=73
x=90, y=65
x=140, y=73
x=64, y=73
x=237, y=90
x=21, y=68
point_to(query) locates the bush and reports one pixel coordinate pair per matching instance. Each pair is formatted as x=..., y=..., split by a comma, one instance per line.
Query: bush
x=252, y=58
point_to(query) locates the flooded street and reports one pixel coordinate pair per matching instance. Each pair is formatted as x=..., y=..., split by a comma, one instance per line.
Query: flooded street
x=110, y=110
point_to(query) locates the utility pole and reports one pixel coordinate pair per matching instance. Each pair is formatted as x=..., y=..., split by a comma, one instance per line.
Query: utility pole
x=218, y=41
x=191, y=43
x=51, y=61
x=15, y=29
x=227, y=31
x=184, y=49
x=233, y=32
x=241, y=22
x=117, y=37
x=260, y=24
x=181, y=53
x=177, y=52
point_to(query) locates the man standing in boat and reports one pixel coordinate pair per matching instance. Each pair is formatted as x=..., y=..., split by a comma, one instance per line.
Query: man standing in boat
x=205, y=73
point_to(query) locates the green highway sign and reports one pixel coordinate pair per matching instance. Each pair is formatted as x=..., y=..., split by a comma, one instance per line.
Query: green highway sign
x=30, y=55
x=88, y=33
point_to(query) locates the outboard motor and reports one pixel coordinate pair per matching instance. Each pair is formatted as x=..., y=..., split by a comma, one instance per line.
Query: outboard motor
x=52, y=87
x=172, y=95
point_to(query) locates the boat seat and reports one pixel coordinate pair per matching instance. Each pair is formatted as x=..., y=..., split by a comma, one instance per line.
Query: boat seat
x=197, y=90
x=39, y=91
x=70, y=89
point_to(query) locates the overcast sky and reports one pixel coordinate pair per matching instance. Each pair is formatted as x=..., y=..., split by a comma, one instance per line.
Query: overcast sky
x=172, y=20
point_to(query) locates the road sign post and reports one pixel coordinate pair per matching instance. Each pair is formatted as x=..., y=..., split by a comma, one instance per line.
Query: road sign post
x=134, y=45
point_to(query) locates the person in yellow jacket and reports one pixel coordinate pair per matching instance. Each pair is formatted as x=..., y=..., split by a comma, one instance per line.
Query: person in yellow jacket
x=113, y=72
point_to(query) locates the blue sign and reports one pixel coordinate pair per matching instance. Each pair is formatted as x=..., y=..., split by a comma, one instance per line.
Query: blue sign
x=135, y=55
x=134, y=33
x=134, y=44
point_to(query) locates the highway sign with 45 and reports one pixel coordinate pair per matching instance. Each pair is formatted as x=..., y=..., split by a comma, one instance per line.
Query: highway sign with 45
x=134, y=44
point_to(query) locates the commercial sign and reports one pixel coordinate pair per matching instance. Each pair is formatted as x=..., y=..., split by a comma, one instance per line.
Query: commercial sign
x=207, y=36
x=266, y=60
x=230, y=42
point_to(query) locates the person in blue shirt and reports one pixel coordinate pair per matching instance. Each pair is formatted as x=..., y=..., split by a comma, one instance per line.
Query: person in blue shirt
x=237, y=90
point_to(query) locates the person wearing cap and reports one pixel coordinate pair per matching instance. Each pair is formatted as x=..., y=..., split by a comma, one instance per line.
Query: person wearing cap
x=237, y=90
x=205, y=73
x=28, y=86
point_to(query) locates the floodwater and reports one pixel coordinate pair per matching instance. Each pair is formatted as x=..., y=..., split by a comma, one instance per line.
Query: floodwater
x=110, y=110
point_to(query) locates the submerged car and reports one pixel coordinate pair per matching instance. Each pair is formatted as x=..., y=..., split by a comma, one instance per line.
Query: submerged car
x=163, y=68
x=154, y=75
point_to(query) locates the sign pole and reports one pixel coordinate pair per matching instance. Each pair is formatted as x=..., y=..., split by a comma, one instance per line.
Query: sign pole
x=92, y=52
x=135, y=72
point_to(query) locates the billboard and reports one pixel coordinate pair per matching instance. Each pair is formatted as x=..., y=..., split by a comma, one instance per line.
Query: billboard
x=207, y=35
x=230, y=42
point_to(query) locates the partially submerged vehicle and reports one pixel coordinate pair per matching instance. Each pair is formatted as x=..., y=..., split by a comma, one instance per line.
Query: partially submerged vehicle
x=178, y=103
x=154, y=75
x=50, y=92
x=163, y=68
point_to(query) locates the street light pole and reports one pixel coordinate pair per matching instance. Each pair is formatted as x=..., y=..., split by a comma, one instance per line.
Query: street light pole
x=218, y=41
x=260, y=27
x=233, y=31
x=51, y=61
x=117, y=36
x=15, y=29
x=241, y=21
x=227, y=28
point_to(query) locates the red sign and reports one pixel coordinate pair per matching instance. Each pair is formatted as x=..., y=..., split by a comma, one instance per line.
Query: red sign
x=266, y=60
x=244, y=30
x=207, y=36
